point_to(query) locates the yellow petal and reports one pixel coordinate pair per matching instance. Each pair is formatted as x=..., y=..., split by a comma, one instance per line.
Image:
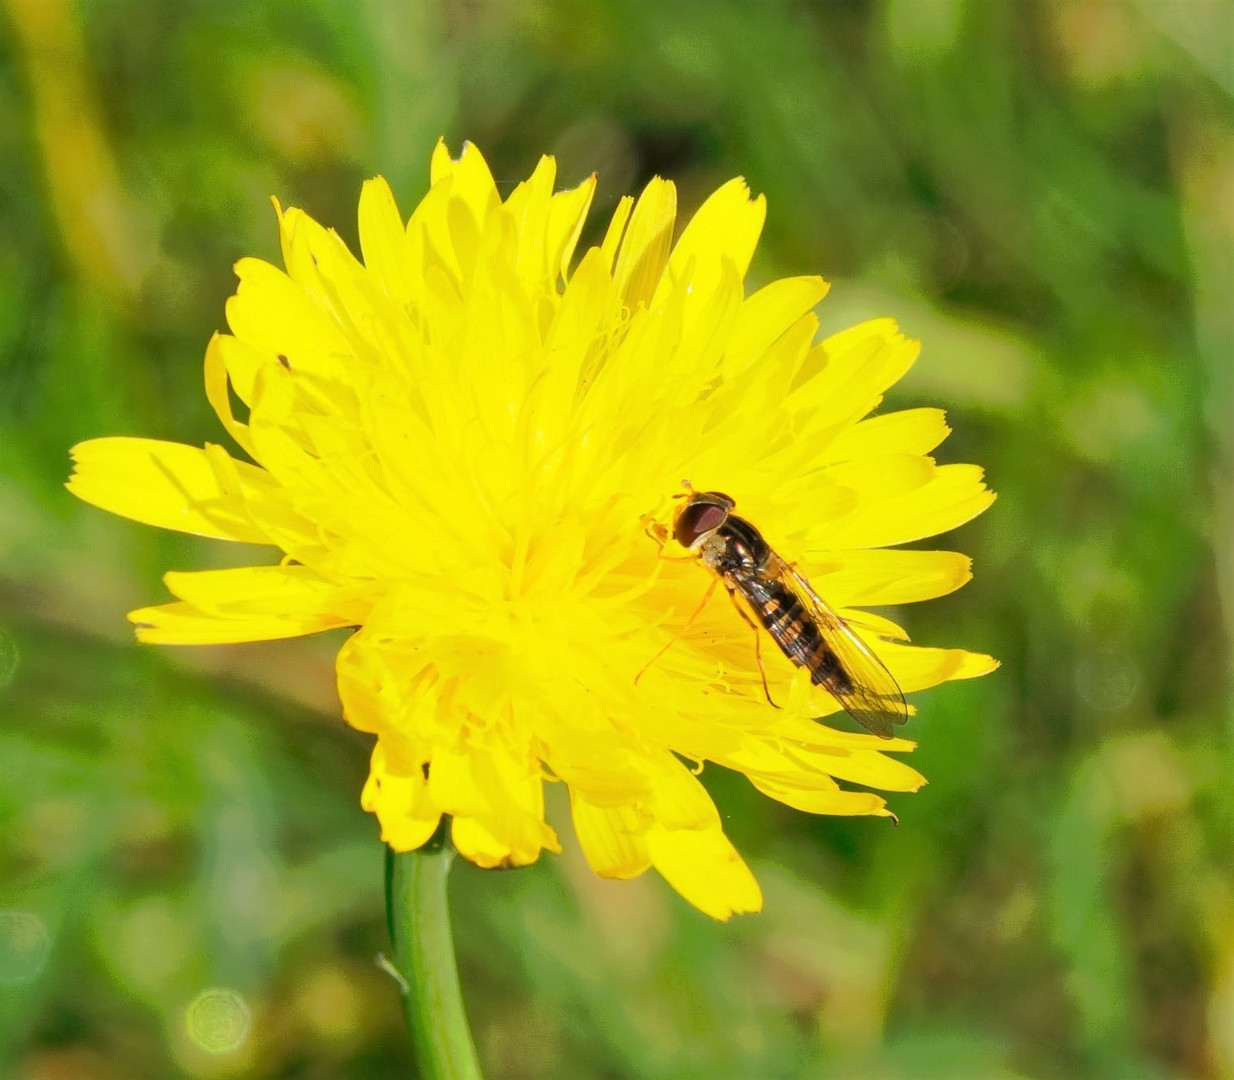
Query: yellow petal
x=818, y=800
x=257, y=590
x=878, y=576
x=515, y=790
x=527, y=210
x=402, y=831
x=576, y=323
x=476, y=840
x=370, y=700
x=974, y=665
x=726, y=226
x=918, y=668
x=808, y=764
x=716, y=244
x=219, y=396
x=402, y=803
x=316, y=260
x=679, y=800
x=274, y=315
x=383, y=239
x=183, y=624
x=616, y=230
x=867, y=767
x=566, y=216
x=243, y=363
x=340, y=294
x=476, y=844
x=912, y=431
x=705, y=868
x=612, y=838
x=169, y=485
x=440, y=163
x=847, y=373
x=954, y=495
x=883, y=476
x=645, y=246
x=470, y=179
x=767, y=314
x=867, y=623
x=798, y=731
x=454, y=785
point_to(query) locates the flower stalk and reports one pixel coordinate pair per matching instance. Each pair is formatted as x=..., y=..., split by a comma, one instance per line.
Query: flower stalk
x=417, y=910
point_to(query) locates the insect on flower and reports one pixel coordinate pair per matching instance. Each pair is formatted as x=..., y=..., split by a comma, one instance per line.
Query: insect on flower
x=765, y=587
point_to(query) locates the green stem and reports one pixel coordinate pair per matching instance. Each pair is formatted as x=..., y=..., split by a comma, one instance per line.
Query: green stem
x=419, y=919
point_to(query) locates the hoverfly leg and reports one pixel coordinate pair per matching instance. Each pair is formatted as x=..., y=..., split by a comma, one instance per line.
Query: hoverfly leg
x=659, y=533
x=758, y=655
x=680, y=633
x=654, y=529
x=758, y=646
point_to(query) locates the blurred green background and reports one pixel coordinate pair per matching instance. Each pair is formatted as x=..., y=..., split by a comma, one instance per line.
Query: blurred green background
x=1041, y=190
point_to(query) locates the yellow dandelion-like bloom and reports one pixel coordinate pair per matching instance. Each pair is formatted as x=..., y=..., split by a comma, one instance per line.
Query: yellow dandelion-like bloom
x=456, y=443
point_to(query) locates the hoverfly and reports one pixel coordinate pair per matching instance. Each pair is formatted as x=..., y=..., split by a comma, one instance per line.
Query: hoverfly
x=807, y=630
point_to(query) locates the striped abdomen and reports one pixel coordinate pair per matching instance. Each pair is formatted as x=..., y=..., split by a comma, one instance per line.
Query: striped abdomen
x=793, y=628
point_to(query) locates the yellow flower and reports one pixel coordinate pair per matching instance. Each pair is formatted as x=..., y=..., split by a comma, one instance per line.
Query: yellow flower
x=456, y=441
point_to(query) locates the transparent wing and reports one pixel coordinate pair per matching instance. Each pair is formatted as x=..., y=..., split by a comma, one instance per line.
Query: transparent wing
x=861, y=682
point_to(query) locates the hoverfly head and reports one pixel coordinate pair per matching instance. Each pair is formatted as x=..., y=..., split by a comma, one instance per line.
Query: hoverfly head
x=702, y=513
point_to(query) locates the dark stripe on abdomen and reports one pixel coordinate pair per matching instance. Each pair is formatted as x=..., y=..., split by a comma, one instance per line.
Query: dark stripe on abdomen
x=779, y=613
x=797, y=635
x=826, y=670
x=775, y=605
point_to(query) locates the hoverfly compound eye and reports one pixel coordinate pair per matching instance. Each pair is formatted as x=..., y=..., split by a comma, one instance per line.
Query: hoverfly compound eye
x=727, y=501
x=697, y=518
